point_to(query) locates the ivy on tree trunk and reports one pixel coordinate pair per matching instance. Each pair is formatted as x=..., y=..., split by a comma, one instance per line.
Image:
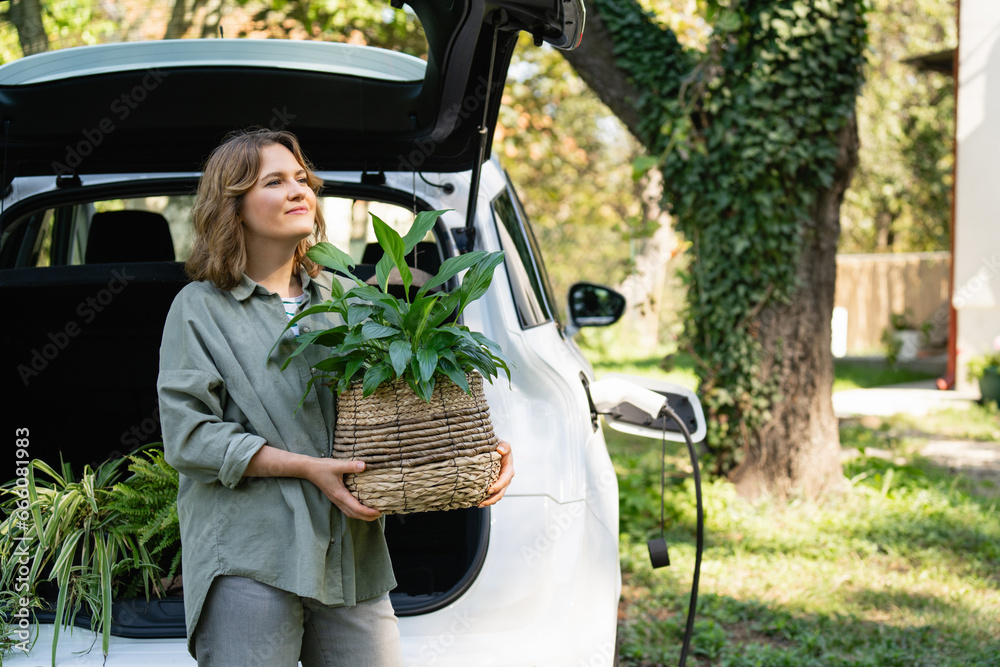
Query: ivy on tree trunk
x=755, y=139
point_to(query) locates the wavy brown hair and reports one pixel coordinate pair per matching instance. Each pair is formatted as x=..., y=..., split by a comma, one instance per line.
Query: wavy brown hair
x=219, y=253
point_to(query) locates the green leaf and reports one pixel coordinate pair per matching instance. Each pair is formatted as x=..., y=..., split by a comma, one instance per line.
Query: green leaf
x=477, y=281
x=332, y=257
x=375, y=376
x=399, y=354
x=452, y=266
x=374, y=331
x=427, y=362
x=310, y=337
x=424, y=390
x=415, y=322
x=352, y=367
x=393, y=246
x=389, y=306
x=422, y=224
x=456, y=375
x=358, y=313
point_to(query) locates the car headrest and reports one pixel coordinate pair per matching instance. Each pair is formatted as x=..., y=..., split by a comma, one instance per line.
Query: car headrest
x=129, y=236
x=424, y=256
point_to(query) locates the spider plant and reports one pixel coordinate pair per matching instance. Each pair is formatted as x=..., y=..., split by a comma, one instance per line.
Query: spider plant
x=64, y=529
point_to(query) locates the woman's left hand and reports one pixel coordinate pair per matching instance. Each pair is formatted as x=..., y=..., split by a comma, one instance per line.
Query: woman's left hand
x=506, y=474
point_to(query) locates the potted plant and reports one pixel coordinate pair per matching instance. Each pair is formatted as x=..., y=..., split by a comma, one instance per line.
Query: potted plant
x=408, y=377
x=903, y=338
x=985, y=368
x=94, y=538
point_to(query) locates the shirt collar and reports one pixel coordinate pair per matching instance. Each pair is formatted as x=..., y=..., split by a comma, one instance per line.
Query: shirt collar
x=247, y=286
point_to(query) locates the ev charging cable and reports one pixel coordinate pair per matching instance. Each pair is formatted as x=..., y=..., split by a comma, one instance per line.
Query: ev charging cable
x=606, y=395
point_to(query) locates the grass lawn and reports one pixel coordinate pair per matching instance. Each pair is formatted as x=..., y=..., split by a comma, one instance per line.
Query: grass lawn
x=903, y=568
x=863, y=375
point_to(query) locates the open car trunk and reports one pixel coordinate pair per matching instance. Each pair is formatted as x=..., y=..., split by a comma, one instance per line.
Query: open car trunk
x=83, y=379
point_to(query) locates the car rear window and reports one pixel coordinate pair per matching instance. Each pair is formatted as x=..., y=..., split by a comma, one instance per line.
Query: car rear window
x=158, y=228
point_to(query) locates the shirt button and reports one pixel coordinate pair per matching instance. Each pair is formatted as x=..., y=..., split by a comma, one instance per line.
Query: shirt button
x=305, y=329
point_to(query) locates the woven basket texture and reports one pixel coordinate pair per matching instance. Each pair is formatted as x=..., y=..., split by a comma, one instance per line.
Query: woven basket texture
x=420, y=456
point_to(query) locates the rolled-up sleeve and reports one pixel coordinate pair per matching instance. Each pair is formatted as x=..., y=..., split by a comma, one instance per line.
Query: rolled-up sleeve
x=201, y=437
x=197, y=441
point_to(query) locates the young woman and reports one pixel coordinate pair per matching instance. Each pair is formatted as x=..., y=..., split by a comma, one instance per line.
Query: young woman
x=281, y=563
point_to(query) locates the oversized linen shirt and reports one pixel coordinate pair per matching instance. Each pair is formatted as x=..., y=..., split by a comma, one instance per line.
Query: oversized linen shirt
x=222, y=397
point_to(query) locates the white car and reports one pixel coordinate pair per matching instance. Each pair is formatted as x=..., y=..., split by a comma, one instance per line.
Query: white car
x=102, y=147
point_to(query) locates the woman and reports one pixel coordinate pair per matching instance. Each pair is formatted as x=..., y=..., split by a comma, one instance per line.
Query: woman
x=281, y=563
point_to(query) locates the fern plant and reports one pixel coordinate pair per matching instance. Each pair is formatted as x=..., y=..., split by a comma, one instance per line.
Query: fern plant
x=147, y=504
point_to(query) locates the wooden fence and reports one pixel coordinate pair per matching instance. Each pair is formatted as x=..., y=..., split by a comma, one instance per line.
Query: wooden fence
x=871, y=287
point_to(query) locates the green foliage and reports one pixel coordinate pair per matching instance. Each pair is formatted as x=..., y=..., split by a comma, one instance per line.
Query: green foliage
x=69, y=23
x=571, y=160
x=746, y=136
x=62, y=530
x=900, y=197
x=415, y=338
x=863, y=375
x=147, y=505
x=900, y=569
x=979, y=365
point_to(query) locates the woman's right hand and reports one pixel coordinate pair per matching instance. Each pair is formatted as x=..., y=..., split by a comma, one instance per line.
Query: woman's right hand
x=328, y=476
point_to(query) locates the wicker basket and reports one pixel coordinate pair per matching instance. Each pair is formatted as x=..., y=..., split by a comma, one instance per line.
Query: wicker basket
x=419, y=456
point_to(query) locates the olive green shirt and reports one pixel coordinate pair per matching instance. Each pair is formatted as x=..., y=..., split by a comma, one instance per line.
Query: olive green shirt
x=222, y=397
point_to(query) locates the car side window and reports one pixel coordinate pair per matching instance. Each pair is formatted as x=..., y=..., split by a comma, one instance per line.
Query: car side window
x=525, y=271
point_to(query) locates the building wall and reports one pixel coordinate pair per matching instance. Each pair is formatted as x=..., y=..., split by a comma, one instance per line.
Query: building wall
x=976, y=295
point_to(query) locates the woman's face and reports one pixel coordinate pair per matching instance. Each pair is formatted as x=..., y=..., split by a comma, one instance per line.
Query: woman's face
x=280, y=206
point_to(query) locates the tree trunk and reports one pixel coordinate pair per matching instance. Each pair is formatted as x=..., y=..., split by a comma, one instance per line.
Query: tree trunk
x=798, y=451
x=594, y=61
x=180, y=20
x=26, y=15
x=644, y=287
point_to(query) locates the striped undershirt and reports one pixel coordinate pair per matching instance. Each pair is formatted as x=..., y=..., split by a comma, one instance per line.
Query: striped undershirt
x=292, y=305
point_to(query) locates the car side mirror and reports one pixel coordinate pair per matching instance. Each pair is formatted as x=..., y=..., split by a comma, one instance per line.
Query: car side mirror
x=593, y=305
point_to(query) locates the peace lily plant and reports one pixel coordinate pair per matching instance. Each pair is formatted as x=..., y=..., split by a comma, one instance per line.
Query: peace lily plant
x=384, y=337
